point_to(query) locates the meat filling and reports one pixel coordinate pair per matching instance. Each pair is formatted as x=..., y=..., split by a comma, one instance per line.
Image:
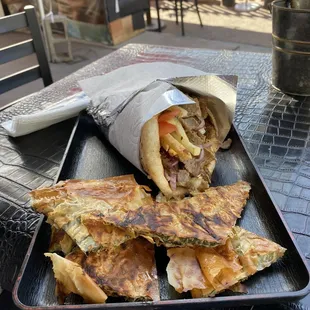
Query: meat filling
x=193, y=172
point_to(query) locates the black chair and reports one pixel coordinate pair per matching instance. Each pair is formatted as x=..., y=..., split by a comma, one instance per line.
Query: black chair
x=10, y=23
x=176, y=9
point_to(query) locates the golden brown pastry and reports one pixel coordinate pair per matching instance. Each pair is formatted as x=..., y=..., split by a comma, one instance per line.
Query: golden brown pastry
x=68, y=206
x=95, y=221
x=184, y=272
x=60, y=241
x=129, y=270
x=222, y=267
x=70, y=278
x=205, y=219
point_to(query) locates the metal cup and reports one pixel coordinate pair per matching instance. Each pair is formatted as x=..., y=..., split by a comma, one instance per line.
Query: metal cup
x=291, y=49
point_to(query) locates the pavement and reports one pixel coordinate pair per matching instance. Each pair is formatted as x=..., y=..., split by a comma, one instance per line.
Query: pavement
x=223, y=29
x=221, y=23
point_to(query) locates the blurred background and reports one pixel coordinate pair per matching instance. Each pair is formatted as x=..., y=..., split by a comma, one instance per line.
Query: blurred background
x=78, y=32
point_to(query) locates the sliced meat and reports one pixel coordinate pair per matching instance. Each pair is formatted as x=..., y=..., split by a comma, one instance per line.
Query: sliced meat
x=173, y=180
x=211, y=141
x=201, y=166
x=209, y=165
x=195, y=137
x=183, y=177
x=204, y=106
x=210, y=130
x=191, y=123
x=192, y=109
x=171, y=165
x=168, y=161
x=171, y=176
x=194, y=166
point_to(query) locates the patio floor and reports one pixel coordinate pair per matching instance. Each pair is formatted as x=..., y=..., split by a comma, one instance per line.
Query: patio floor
x=221, y=23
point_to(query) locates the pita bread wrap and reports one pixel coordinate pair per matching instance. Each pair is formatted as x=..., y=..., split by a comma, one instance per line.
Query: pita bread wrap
x=124, y=103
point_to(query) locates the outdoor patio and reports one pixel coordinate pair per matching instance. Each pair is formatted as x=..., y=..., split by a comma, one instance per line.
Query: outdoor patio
x=223, y=29
x=222, y=23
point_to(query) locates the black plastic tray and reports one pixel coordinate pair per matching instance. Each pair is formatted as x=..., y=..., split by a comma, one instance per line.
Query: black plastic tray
x=90, y=156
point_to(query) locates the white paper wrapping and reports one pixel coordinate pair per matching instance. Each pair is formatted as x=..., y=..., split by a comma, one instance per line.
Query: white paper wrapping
x=57, y=112
x=123, y=100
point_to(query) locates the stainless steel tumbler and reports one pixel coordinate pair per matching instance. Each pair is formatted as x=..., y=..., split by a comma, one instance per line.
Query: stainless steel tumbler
x=291, y=49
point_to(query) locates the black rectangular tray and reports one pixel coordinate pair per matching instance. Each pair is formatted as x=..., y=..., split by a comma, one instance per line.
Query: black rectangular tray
x=90, y=156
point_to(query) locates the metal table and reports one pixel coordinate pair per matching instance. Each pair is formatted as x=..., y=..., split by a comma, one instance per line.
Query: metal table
x=275, y=128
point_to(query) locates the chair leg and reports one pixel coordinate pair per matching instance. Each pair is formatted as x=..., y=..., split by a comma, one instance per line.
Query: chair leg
x=197, y=9
x=158, y=16
x=49, y=37
x=176, y=8
x=148, y=17
x=70, y=56
x=182, y=22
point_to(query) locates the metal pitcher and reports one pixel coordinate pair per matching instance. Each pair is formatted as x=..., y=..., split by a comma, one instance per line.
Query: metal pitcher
x=290, y=49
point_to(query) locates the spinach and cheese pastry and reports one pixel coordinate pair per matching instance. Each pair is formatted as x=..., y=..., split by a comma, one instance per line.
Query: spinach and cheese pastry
x=68, y=206
x=128, y=271
x=178, y=146
x=98, y=217
x=71, y=278
x=208, y=271
x=205, y=219
x=113, y=190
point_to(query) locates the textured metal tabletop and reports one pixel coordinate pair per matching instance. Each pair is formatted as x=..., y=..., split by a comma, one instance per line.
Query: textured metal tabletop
x=274, y=126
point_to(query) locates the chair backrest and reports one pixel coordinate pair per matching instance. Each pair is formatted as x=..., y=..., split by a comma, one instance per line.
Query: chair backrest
x=9, y=23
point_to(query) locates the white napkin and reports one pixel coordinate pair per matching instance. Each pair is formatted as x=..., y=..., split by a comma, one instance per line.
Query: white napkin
x=24, y=124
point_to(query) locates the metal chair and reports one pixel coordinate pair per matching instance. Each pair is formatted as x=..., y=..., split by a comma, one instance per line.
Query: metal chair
x=176, y=9
x=10, y=23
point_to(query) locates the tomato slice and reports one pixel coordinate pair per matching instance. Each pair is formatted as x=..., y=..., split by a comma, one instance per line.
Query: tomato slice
x=165, y=128
x=167, y=115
